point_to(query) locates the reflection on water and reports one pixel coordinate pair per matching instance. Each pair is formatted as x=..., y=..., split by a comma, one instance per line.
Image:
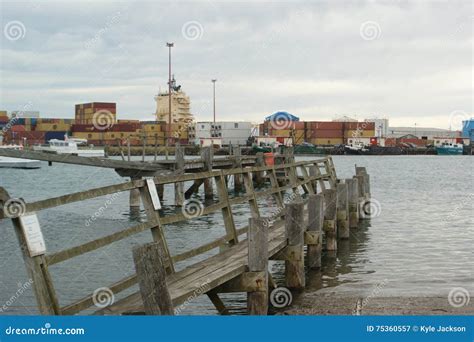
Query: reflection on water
x=419, y=244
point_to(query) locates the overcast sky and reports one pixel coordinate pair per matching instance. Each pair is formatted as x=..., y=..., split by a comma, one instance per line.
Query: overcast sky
x=409, y=61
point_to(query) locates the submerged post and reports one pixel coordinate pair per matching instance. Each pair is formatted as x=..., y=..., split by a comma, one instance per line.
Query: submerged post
x=315, y=225
x=151, y=274
x=259, y=162
x=361, y=195
x=342, y=211
x=237, y=165
x=135, y=198
x=330, y=227
x=257, y=301
x=353, y=193
x=207, y=156
x=294, y=264
x=179, y=170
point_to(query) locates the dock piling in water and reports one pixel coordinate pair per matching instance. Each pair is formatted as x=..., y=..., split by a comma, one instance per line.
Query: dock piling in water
x=241, y=265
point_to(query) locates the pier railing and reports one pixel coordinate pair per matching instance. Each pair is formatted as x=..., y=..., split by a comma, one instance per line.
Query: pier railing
x=310, y=176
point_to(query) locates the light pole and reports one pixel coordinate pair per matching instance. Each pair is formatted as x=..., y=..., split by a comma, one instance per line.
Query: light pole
x=168, y=141
x=214, y=99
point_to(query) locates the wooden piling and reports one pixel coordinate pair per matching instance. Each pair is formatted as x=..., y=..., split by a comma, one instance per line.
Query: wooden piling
x=353, y=194
x=179, y=170
x=315, y=225
x=258, y=176
x=342, y=211
x=330, y=227
x=257, y=301
x=207, y=156
x=294, y=264
x=361, y=195
x=151, y=274
x=237, y=165
x=135, y=197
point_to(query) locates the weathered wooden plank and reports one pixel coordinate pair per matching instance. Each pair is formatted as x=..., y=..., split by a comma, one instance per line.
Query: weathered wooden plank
x=315, y=224
x=353, y=194
x=294, y=223
x=257, y=301
x=330, y=227
x=151, y=274
x=179, y=170
x=342, y=211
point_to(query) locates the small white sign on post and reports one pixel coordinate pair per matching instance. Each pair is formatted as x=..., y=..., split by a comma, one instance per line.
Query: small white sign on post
x=33, y=235
x=153, y=193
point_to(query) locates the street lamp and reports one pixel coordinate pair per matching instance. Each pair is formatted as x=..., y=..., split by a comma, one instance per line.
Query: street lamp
x=214, y=97
x=169, y=45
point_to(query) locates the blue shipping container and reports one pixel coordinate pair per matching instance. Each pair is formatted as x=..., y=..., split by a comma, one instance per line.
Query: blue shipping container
x=54, y=135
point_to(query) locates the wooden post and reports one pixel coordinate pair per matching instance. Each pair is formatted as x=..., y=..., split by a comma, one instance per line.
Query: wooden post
x=135, y=198
x=207, y=157
x=353, y=193
x=259, y=162
x=366, y=206
x=156, y=147
x=237, y=165
x=342, y=211
x=144, y=147
x=361, y=195
x=160, y=188
x=250, y=191
x=128, y=149
x=313, y=173
x=315, y=225
x=330, y=227
x=151, y=274
x=257, y=302
x=179, y=170
x=294, y=265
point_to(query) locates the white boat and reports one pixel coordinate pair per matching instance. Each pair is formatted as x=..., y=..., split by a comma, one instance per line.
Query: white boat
x=69, y=146
x=17, y=163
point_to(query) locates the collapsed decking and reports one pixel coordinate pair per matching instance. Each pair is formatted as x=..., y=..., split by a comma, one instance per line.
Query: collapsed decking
x=327, y=209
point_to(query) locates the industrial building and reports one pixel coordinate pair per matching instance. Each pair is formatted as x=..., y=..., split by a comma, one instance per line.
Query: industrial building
x=468, y=129
x=228, y=132
x=426, y=133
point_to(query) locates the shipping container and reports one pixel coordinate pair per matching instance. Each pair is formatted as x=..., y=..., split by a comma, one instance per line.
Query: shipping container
x=359, y=133
x=326, y=133
x=331, y=125
x=54, y=135
x=327, y=141
x=365, y=125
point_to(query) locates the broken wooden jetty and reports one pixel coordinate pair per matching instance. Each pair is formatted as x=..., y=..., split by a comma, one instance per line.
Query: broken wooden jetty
x=323, y=210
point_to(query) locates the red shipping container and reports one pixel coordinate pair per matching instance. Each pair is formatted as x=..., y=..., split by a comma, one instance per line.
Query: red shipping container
x=332, y=125
x=299, y=124
x=326, y=133
x=18, y=128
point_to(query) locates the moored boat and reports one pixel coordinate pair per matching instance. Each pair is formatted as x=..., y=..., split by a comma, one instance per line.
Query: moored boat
x=69, y=146
x=450, y=149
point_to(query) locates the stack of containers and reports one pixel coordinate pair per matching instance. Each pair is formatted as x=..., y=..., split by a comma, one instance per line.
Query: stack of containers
x=85, y=112
x=325, y=132
x=364, y=129
x=53, y=128
x=108, y=135
x=152, y=129
x=3, y=120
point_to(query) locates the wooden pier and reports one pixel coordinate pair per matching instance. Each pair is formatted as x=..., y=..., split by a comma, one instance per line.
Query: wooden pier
x=322, y=211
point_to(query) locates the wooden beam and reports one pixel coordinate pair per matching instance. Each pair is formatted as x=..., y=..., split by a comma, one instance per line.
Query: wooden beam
x=257, y=301
x=294, y=267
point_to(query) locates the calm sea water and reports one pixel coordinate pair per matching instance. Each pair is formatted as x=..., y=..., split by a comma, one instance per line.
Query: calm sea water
x=418, y=244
